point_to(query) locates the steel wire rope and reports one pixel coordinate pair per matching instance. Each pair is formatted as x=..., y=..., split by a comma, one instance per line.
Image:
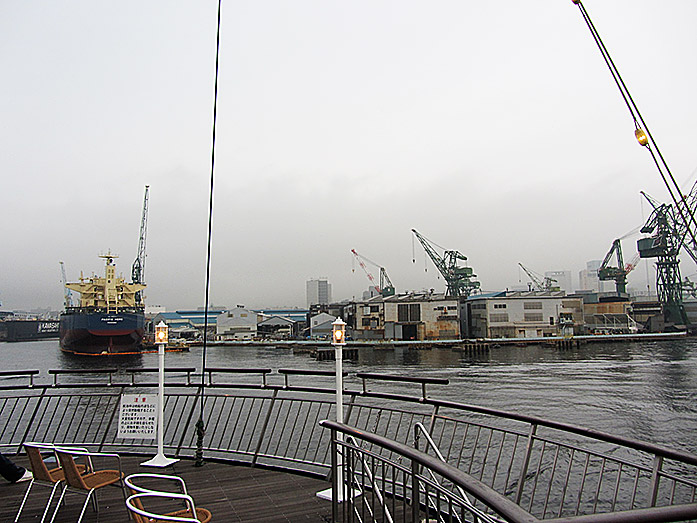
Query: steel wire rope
x=636, y=115
x=200, y=424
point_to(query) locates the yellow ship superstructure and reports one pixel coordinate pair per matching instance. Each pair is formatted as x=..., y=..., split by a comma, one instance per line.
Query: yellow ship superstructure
x=111, y=293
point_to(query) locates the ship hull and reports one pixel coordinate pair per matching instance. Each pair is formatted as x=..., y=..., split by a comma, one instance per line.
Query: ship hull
x=101, y=333
x=27, y=330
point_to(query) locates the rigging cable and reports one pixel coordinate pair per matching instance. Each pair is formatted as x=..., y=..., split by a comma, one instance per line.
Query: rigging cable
x=200, y=425
x=640, y=129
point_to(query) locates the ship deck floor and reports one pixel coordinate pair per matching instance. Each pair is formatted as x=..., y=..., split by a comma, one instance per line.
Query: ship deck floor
x=233, y=493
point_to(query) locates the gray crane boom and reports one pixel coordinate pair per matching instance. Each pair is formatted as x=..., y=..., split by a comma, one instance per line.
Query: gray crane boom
x=138, y=269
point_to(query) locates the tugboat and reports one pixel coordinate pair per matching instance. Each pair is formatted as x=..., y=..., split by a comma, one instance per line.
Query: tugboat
x=110, y=318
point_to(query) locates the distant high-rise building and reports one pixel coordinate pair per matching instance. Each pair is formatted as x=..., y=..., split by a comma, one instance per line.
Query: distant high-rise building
x=588, y=278
x=371, y=292
x=319, y=292
x=563, y=280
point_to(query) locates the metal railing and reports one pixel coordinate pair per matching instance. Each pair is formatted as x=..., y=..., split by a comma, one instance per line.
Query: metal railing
x=420, y=430
x=415, y=487
x=551, y=470
x=413, y=482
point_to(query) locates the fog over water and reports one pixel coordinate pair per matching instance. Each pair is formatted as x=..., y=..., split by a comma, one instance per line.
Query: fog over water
x=645, y=390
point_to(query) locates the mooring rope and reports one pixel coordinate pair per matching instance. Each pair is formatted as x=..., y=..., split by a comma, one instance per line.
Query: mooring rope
x=200, y=424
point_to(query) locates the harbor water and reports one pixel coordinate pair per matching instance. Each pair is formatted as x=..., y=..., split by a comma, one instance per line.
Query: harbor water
x=643, y=390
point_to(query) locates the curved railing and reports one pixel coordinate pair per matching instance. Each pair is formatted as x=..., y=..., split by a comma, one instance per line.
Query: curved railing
x=402, y=481
x=264, y=418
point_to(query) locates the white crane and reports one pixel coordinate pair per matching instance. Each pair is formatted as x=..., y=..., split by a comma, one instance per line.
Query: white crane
x=68, y=295
x=138, y=270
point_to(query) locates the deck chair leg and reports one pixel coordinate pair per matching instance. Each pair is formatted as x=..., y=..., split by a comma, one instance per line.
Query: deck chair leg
x=123, y=491
x=60, y=500
x=48, y=503
x=84, y=506
x=95, y=503
x=26, y=495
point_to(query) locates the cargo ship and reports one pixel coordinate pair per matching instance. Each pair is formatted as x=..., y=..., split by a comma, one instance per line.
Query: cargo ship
x=28, y=330
x=110, y=318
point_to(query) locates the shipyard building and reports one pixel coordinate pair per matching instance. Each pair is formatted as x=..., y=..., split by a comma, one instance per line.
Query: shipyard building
x=524, y=315
x=433, y=316
x=412, y=316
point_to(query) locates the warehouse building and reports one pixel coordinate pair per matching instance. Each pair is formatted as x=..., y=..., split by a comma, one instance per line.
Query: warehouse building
x=411, y=316
x=528, y=314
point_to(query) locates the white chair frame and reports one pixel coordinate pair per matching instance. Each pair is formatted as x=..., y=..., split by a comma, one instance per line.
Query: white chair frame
x=46, y=447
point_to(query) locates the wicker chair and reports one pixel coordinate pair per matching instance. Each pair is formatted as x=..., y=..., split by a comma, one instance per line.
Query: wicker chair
x=87, y=484
x=140, y=493
x=42, y=475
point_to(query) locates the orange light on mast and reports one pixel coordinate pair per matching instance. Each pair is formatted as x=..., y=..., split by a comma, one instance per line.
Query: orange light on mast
x=641, y=137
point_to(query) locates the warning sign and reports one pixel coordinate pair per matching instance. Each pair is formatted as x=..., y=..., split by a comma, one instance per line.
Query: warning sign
x=138, y=416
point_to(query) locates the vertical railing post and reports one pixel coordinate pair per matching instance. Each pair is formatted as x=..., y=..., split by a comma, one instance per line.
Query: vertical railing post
x=264, y=426
x=116, y=409
x=347, y=477
x=30, y=424
x=347, y=415
x=335, y=483
x=655, y=478
x=415, y=494
x=526, y=462
x=185, y=430
x=434, y=415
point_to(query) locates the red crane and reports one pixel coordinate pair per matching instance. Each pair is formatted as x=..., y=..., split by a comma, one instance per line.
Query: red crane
x=385, y=287
x=367, y=272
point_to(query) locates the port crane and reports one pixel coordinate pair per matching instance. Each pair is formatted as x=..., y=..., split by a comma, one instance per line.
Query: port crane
x=459, y=279
x=618, y=274
x=665, y=243
x=385, y=288
x=544, y=284
x=138, y=269
x=68, y=295
x=671, y=226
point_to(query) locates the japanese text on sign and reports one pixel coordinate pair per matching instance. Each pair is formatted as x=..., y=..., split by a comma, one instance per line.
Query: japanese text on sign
x=138, y=416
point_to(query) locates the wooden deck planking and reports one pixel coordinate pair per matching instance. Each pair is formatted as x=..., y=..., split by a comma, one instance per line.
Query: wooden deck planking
x=232, y=493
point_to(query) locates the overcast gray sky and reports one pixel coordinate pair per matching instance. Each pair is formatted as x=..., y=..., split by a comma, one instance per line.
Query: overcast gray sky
x=493, y=128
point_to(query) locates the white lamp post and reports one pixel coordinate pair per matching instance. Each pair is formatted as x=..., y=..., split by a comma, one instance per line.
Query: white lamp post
x=160, y=460
x=338, y=341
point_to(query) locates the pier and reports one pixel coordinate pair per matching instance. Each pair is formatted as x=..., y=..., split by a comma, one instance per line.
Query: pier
x=323, y=351
x=270, y=445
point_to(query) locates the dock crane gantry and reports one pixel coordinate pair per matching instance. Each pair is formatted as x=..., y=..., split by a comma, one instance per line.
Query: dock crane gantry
x=618, y=274
x=385, y=288
x=545, y=284
x=138, y=269
x=459, y=279
x=668, y=237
